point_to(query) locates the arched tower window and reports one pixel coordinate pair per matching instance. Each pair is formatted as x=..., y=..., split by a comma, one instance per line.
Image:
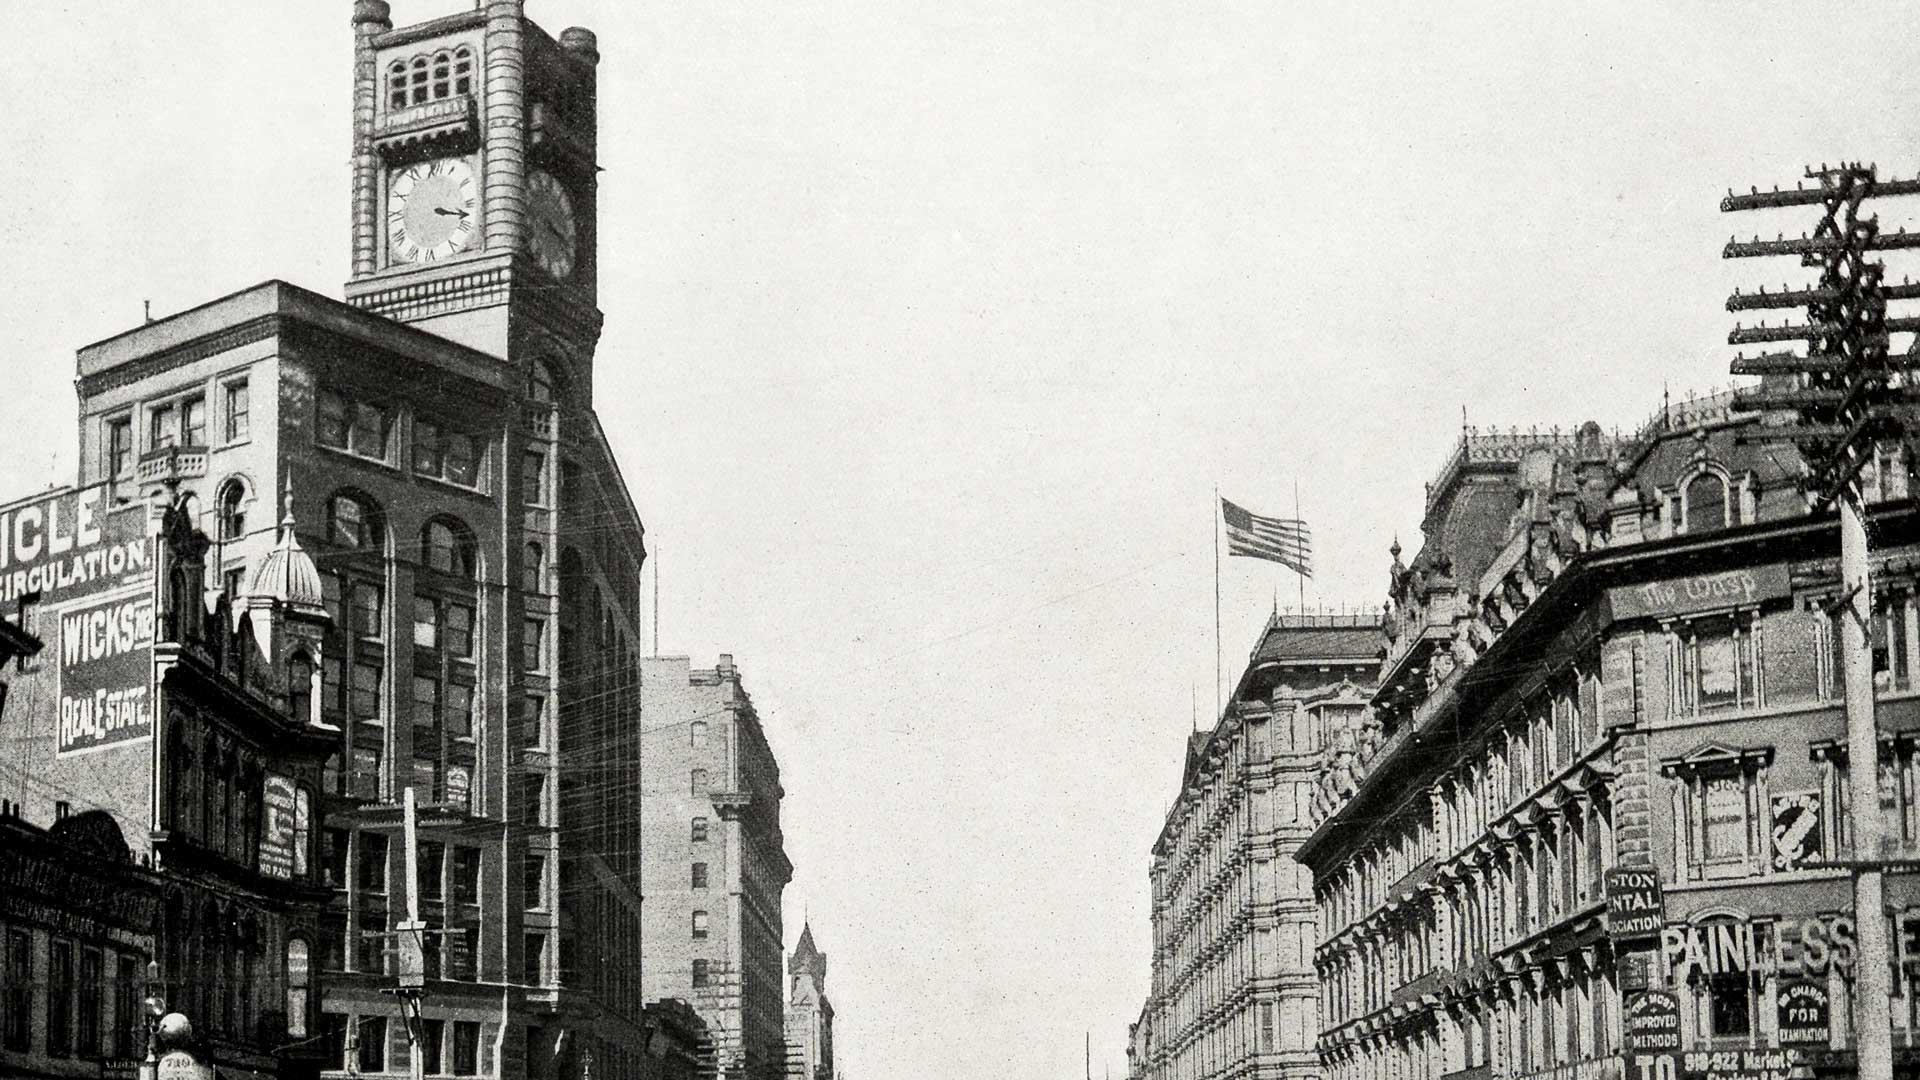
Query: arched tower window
x=540, y=384
x=397, y=85
x=1706, y=502
x=448, y=547
x=418, y=85
x=353, y=521
x=233, y=514
x=300, y=688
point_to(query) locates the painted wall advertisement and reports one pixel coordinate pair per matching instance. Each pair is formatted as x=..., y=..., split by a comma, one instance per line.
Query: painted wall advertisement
x=68, y=545
x=1805, y=1014
x=278, y=833
x=105, y=674
x=1650, y=1029
x=1705, y=592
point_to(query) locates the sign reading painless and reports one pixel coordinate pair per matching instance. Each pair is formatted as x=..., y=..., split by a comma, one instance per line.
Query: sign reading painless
x=106, y=674
x=1703, y=592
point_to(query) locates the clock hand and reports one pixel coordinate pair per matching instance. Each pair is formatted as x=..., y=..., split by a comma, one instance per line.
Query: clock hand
x=444, y=212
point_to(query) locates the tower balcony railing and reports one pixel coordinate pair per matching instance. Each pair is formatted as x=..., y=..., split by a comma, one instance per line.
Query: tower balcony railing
x=448, y=120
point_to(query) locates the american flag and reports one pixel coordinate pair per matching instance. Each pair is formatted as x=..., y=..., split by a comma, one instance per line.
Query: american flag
x=1282, y=540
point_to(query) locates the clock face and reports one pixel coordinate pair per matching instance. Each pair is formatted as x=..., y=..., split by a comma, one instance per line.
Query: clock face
x=554, y=238
x=430, y=210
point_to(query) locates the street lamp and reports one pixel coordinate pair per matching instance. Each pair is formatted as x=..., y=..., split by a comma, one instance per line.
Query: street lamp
x=156, y=1007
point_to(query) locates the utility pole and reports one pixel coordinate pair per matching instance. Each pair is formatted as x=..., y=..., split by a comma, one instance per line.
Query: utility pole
x=1849, y=395
x=412, y=944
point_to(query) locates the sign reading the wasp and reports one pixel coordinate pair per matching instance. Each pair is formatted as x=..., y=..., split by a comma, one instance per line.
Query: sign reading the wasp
x=106, y=674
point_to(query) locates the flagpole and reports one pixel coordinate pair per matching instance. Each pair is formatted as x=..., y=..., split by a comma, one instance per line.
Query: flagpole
x=1219, y=664
x=1302, y=578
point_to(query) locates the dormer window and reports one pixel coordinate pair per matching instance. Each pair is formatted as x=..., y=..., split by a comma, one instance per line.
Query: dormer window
x=1707, y=505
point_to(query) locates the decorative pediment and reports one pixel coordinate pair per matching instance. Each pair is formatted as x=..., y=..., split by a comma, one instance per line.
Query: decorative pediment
x=1710, y=756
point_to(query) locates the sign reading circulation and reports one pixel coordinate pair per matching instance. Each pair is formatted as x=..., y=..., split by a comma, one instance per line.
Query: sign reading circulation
x=69, y=545
x=106, y=674
x=1705, y=592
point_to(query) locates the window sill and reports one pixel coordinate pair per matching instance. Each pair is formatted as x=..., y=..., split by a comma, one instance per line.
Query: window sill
x=340, y=451
x=452, y=485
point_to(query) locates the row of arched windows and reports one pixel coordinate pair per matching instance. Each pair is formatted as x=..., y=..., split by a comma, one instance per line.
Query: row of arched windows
x=355, y=522
x=432, y=77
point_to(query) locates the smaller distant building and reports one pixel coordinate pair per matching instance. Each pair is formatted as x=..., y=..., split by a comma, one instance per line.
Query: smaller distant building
x=678, y=1046
x=809, y=1012
x=715, y=862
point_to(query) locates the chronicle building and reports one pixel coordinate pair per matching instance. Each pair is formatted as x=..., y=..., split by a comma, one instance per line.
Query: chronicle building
x=1613, y=652
x=407, y=506
x=1233, y=917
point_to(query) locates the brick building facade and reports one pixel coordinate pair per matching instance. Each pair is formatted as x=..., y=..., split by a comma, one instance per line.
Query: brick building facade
x=1233, y=918
x=716, y=862
x=1609, y=652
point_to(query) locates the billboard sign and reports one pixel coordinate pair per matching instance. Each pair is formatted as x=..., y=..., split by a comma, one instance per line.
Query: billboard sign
x=106, y=674
x=277, y=830
x=1703, y=592
x=71, y=544
x=1651, y=1022
x=1796, y=829
x=1635, y=908
x=1805, y=1013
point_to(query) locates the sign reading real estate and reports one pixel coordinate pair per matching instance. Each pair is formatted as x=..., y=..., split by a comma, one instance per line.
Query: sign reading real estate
x=67, y=546
x=1635, y=908
x=1805, y=1014
x=105, y=674
x=1703, y=592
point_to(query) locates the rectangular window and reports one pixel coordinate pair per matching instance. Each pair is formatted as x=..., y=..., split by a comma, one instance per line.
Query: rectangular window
x=431, y=1032
x=163, y=427
x=458, y=630
x=426, y=447
x=433, y=857
x=1892, y=669
x=535, y=883
x=366, y=772
x=330, y=424
x=193, y=422
x=364, y=703
x=699, y=830
x=239, y=419
x=462, y=459
x=536, y=959
x=367, y=605
x=426, y=711
x=87, y=1015
x=533, y=645
x=371, y=957
x=699, y=875
x=1725, y=801
x=535, y=803
x=372, y=1034
x=426, y=773
x=535, y=720
x=372, y=432
x=426, y=623
x=466, y=1048
x=60, y=998
x=533, y=477
x=459, y=711
x=20, y=976
x=1716, y=670
x=699, y=926
x=119, y=447
x=372, y=875
x=699, y=973
x=1729, y=1006
x=129, y=1025
x=466, y=876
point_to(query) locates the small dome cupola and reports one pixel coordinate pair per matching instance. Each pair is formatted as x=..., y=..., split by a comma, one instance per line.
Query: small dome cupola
x=285, y=577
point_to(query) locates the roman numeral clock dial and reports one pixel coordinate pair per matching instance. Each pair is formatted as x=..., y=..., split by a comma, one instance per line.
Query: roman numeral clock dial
x=430, y=210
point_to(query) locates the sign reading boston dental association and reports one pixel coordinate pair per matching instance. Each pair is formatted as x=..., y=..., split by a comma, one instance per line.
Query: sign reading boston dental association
x=70, y=545
x=105, y=673
x=1704, y=592
x=1634, y=905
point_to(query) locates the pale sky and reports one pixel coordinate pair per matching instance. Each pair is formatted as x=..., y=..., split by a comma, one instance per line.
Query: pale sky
x=930, y=329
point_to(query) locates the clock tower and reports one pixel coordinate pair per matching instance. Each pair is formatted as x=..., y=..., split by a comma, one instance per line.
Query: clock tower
x=474, y=183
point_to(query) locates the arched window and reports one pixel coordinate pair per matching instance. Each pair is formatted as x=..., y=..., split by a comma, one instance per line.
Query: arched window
x=463, y=70
x=353, y=522
x=417, y=82
x=233, y=514
x=533, y=571
x=397, y=85
x=442, y=75
x=540, y=383
x=448, y=547
x=1706, y=499
x=298, y=980
x=300, y=688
